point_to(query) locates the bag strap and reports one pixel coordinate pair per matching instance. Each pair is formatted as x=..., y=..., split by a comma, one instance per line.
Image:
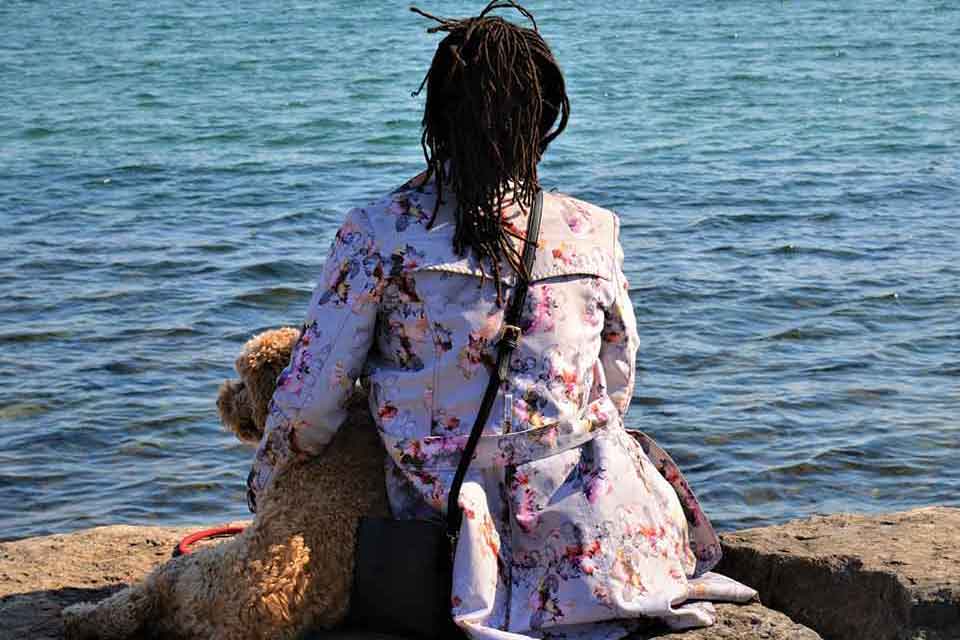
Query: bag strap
x=509, y=340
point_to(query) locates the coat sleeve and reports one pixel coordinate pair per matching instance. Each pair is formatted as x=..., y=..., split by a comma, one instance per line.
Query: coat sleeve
x=307, y=407
x=619, y=339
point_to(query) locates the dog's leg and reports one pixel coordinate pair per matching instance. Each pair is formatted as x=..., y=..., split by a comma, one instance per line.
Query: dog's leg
x=271, y=584
x=119, y=617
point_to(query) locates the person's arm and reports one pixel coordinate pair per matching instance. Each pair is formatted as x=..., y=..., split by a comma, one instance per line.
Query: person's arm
x=619, y=339
x=307, y=407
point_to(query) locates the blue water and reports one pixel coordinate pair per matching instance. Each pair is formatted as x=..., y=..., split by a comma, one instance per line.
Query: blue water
x=788, y=174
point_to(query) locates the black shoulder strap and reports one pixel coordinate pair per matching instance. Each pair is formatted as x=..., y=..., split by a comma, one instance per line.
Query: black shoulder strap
x=509, y=339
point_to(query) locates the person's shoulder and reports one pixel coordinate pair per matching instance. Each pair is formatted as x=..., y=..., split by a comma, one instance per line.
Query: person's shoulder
x=583, y=217
x=392, y=211
x=402, y=210
x=580, y=204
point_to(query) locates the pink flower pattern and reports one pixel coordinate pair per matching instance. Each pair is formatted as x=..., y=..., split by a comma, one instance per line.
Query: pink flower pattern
x=575, y=526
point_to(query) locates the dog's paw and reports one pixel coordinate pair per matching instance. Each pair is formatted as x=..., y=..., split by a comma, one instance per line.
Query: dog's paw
x=119, y=617
x=78, y=623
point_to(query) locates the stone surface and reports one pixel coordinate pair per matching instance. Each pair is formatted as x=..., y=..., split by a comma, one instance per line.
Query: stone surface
x=885, y=577
x=40, y=576
x=734, y=622
x=739, y=622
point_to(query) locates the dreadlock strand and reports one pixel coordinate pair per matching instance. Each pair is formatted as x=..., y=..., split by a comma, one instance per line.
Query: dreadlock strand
x=494, y=94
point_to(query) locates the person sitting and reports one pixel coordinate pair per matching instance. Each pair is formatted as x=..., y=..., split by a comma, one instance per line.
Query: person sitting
x=573, y=532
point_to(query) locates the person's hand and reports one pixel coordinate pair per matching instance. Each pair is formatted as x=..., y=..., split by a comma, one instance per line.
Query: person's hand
x=257, y=481
x=251, y=494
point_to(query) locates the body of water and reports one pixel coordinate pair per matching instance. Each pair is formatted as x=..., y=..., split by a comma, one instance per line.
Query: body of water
x=788, y=175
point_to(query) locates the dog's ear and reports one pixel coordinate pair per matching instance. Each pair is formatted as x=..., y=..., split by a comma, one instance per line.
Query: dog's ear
x=263, y=359
x=236, y=411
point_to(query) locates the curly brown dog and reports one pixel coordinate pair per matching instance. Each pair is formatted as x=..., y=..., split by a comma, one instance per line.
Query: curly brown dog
x=292, y=568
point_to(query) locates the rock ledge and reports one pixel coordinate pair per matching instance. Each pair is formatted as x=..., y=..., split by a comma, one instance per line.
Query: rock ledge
x=849, y=577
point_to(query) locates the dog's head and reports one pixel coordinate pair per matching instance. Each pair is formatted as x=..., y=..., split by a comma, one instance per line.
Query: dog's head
x=243, y=403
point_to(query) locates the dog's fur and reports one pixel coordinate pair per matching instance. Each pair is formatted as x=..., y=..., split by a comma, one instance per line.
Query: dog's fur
x=292, y=568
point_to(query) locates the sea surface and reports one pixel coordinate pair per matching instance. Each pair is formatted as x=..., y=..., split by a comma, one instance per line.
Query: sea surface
x=788, y=175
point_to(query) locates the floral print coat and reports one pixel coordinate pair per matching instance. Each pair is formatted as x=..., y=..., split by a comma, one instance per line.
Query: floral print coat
x=574, y=527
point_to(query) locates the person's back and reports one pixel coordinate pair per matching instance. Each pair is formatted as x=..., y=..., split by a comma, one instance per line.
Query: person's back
x=437, y=322
x=572, y=525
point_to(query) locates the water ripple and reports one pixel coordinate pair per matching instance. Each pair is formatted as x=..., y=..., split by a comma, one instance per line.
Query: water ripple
x=789, y=190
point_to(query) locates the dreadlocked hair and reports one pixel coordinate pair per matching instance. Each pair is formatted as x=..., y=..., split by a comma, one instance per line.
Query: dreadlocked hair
x=494, y=91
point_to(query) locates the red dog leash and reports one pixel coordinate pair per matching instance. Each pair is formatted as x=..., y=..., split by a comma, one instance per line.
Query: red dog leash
x=183, y=548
